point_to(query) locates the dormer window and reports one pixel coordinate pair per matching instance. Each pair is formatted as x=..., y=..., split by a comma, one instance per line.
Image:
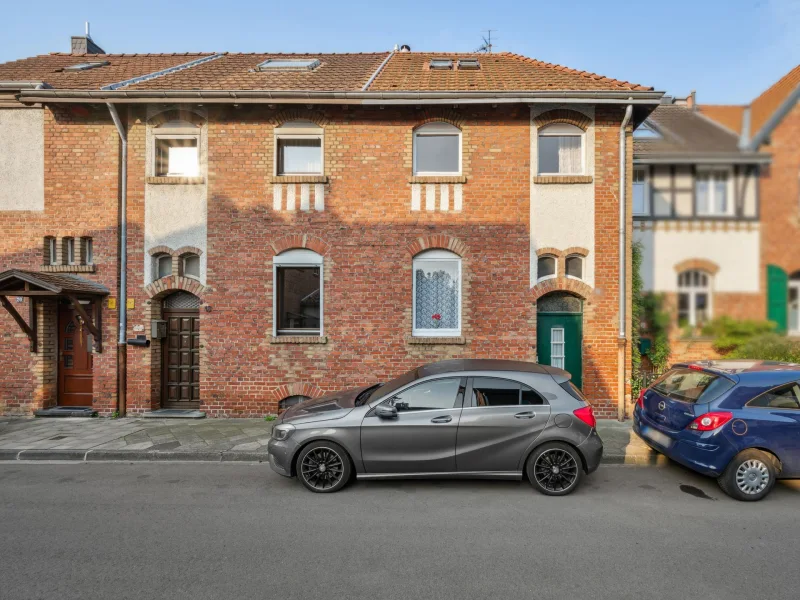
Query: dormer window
x=441, y=64
x=87, y=65
x=298, y=149
x=176, y=151
x=468, y=64
x=289, y=64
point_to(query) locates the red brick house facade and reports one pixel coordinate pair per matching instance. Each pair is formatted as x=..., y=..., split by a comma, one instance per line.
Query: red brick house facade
x=238, y=232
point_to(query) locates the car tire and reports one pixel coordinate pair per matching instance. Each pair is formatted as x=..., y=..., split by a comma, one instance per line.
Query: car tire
x=323, y=467
x=750, y=476
x=555, y=469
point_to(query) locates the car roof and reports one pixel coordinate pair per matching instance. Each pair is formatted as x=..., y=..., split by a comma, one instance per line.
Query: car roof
x=459, y=365
x=762, y=371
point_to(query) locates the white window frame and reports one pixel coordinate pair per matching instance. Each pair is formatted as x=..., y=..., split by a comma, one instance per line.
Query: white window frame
x=298, y=257
x=298, y=130
x=157, y=266
x=583, y=266
x=647, y=199
x=70, y=244
x=562, y=343
x=794, y=284
x=88, y=251
x=561, y=130
x=437, y=128
x=555, y=272
x=692, y=290
x=174, y=130
x=731, y=200
x=184, y=258
x=52, y=250
x=435, y=256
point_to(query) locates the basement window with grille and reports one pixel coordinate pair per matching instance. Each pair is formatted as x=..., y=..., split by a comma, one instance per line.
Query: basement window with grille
x=289, y=64
x=441, y=64
x=468, y=64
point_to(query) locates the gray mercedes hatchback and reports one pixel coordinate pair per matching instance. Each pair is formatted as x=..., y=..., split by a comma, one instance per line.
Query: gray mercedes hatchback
x=492, y=419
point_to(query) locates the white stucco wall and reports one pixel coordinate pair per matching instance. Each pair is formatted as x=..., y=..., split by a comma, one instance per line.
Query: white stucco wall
x=21, y=159
x=735, y=252
x=563, y=215
x=176, y=215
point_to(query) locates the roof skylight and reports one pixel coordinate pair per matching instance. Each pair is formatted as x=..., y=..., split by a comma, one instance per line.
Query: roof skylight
x=441, y=64
x=87, y=65
x=468, y=63
x=289, y=64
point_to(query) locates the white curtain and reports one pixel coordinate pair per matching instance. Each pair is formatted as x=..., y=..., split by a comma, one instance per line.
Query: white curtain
x=569, y=154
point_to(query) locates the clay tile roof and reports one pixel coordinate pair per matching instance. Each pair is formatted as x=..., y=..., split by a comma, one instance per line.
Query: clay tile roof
x=727, y=115
x=762, y=108
x=685, y=132
x=49, y=68
x=336, y=72
x=502, y=71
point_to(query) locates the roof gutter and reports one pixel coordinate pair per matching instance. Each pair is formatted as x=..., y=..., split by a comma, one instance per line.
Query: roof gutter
x=783, y=110
x=623, y=259
x=748, y=158
x=354, y=97
x=23, y=85
x=122, y=350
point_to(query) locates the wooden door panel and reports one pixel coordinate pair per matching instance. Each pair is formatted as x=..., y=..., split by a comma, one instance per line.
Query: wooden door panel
x=181, y=359
x=75, y=360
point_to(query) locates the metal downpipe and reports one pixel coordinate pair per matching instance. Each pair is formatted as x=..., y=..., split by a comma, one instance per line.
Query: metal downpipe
x=623, y=260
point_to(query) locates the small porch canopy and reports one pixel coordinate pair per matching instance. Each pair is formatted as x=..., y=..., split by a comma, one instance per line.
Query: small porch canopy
x=31, y=284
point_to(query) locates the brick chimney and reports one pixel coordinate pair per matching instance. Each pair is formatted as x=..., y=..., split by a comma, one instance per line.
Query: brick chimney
x=84, y=44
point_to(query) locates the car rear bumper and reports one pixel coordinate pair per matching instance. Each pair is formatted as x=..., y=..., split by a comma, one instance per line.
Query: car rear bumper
x=706, y=456
x=592, y=451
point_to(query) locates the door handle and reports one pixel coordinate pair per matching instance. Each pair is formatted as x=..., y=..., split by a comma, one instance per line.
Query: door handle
x=525, y=415
x=442, y=419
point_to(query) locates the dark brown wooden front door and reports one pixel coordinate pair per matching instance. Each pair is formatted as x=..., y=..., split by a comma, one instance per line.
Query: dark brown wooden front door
x=181, y=359
x=75, y=381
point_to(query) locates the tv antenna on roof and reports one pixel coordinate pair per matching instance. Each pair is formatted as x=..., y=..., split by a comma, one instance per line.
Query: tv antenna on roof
x=486, y=47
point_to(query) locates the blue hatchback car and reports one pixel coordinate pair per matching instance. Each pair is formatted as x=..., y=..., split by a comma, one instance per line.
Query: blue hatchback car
x=736, y=420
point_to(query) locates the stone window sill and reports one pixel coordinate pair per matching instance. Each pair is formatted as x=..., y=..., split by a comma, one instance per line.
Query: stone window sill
x=438, y=179
x=299, y=339
x=436, y=341
x=176, y=180
x=560, y=179
x=68, y=269
x=299, y=179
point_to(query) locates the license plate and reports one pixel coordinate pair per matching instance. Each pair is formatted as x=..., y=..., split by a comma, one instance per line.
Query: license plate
x=657, y=437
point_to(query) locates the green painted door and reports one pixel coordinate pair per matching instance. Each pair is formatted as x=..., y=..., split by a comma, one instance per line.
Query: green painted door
x=777, y=296
x=559, y=342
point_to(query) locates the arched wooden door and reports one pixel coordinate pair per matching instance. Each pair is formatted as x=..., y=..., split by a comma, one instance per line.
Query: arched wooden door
x=180, y=352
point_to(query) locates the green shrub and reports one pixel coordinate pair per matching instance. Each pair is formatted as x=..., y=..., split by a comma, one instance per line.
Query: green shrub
x=768, y=346
x=730, y=334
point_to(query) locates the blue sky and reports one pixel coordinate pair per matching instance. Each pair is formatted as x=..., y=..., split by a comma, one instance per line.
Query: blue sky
x=728, y=50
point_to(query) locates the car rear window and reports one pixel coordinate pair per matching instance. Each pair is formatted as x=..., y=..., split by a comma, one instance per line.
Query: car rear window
x=691, y=385
x=573, y=391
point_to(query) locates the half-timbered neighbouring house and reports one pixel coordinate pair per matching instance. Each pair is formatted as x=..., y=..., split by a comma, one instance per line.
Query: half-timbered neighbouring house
x=234, y=232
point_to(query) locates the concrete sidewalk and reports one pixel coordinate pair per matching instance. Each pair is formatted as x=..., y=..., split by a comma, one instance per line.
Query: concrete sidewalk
x=79, y=439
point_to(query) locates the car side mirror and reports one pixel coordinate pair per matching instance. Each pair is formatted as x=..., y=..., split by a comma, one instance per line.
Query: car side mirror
x=384, y=411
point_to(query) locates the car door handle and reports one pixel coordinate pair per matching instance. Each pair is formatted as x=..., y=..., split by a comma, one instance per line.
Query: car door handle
x=442, y=419
x=525, y=415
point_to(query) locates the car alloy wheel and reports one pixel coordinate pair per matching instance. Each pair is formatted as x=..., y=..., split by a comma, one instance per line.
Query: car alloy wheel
x=752, y=477
x=556, y=470
x=322, y=468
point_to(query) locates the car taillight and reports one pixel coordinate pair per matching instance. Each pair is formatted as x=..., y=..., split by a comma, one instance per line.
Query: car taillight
x=640, y=401
x=586, y=414
x=710, y=421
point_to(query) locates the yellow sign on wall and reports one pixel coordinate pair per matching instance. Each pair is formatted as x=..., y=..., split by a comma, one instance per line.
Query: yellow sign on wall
x=112, y=303
x=130, y=304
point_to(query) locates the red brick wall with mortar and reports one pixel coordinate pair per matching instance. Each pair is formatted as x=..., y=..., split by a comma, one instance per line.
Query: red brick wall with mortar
x=80, y=179
x=367, y=228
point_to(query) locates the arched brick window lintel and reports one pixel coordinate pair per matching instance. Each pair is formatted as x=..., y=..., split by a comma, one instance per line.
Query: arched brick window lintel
x=439, y=241
x=563, y=115
x=301, y=240
x=562, y=284
x=167, y=285
x=697, y=264
x=295, y=389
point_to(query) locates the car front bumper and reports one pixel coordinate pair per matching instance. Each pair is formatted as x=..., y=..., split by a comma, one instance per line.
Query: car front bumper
x=592, y=451
x=280, y=456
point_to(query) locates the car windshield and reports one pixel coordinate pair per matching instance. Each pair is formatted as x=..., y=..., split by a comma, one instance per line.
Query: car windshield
x=692, y=385
x=395, y=384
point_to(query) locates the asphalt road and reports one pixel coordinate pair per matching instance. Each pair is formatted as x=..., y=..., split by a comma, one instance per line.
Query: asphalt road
x=228, y=531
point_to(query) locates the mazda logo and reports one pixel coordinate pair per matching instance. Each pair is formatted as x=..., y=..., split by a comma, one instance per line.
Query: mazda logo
x=662, y=405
